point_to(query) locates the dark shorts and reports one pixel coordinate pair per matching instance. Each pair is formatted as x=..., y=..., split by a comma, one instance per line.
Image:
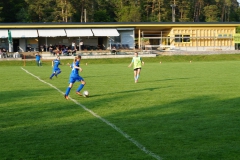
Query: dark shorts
x=135, y=69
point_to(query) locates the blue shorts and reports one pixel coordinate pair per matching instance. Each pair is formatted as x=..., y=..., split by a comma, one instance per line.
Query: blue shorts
x=75, y=78
x=56, y=70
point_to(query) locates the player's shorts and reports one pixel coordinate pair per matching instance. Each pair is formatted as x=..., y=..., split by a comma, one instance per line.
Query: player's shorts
x=73, y=79
x=135, y=69
x=56, y=70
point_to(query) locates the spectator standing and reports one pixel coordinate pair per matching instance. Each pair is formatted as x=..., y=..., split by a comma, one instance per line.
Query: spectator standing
x=51, y=49
x=29, y=48
x=4, y=53
x=1, y=54
x=73, y=46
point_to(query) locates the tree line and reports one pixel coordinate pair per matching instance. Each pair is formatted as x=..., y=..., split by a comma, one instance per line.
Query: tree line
x=119, y=11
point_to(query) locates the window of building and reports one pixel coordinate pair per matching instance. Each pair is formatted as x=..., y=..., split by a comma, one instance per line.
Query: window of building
x=186, y=38
x=182, y=38
x=178, y=38
x=225, y=35
x=116, y=39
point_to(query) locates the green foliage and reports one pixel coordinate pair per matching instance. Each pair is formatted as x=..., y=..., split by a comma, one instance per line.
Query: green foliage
x=102, y=16
x=238, y=29
x=127, y=12
x=23, y=16
x=211, y=13
x=119, y=10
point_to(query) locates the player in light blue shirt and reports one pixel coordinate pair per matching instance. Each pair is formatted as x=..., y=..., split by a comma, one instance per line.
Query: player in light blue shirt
x=38, y=59
x=74, y=76
x=56, y=69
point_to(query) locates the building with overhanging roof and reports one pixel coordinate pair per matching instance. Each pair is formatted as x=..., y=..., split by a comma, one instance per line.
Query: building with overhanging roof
x=142, y=35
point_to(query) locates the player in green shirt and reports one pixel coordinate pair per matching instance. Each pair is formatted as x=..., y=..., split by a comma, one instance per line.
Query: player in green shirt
x=137, y=64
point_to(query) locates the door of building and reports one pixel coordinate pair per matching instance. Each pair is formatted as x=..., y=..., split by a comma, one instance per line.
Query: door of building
x=15, y=45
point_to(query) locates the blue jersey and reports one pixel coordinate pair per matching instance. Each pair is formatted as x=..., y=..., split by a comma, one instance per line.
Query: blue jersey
x=38, y=57
x=75, y=73
x=75, y=70
x=56, y=63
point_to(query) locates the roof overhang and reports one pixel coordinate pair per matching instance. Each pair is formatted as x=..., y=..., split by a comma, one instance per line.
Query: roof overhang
x=79, y=32
x=109, y=32
x=24, y=33
x=51, y=33
x=3, y=33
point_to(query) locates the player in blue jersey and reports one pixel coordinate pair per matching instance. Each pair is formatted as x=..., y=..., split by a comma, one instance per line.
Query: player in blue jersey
x=55, y=64
x=38, y=59
x=74, y=76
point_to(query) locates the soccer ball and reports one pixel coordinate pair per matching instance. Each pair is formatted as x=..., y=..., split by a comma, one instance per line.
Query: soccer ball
x=85, y=94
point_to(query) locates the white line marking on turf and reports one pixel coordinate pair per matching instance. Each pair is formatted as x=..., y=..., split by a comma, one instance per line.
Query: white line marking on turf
x=140, y=146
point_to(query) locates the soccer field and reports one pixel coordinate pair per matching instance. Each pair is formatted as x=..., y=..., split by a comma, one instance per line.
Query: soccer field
x=177, y=111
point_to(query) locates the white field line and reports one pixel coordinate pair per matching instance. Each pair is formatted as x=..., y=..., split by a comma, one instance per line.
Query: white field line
x=140, y=146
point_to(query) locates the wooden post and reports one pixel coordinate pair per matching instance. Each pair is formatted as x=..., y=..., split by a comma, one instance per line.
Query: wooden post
x=24, y=60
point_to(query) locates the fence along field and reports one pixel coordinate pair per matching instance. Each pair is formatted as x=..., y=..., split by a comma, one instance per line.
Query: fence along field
x=177, y=111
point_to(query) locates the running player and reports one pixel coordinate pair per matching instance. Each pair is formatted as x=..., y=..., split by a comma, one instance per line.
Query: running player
x=74, y=76
x=137, y=65
x=56, y=70
x=38, y=59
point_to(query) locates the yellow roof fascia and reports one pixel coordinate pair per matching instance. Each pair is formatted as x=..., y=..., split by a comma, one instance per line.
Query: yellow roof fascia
x=114, y=25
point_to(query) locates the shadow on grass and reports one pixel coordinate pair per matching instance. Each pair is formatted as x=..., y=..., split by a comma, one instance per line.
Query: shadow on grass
x=162, y=80
x=202, y=127
x=20, y=95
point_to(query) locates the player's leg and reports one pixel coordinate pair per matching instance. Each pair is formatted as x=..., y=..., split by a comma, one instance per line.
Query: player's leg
x=52, y=74
x=68, y=90
x=80, y=86
x=135, y=75
x=71, y=82
x=58, y=71
x=138, y=73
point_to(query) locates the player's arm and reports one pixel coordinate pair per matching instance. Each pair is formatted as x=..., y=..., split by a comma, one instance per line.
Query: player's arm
x=130, y=63
x=142, y=62
x=52, y=63
x=80, y=69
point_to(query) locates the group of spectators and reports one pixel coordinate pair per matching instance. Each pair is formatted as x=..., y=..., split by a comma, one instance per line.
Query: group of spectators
x=55, y=49
x=65, y=50
x=62, y=50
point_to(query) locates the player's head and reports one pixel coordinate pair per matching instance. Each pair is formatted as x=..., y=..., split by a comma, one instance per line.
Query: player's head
x=58, y=57
x=77, y=58
x=136, y=54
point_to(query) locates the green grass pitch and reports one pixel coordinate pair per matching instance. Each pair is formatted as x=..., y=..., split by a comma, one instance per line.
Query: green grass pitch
x=178, y=111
